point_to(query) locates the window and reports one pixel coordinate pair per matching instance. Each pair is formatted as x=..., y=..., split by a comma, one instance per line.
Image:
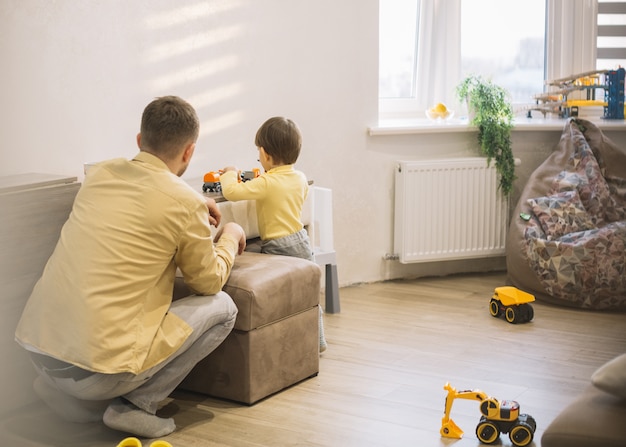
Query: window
x=504, y=41
x=427, y=47
x=397, y=50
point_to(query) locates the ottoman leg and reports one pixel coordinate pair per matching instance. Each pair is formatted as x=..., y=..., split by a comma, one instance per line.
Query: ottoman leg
x=332, y=289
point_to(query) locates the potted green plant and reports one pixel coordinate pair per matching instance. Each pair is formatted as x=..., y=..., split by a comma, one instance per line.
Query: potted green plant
x=491, y=112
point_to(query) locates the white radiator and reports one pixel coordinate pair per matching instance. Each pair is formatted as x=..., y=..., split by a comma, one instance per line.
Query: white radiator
x=448, y=209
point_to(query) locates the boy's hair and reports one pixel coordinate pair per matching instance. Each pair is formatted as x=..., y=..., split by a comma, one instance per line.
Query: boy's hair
x=280, y=138
x=167, y=125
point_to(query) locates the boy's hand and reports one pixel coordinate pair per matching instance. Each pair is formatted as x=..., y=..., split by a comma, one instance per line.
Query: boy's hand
x=229, y=168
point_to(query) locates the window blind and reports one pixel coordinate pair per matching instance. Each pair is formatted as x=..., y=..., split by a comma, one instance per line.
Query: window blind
x=611, y=43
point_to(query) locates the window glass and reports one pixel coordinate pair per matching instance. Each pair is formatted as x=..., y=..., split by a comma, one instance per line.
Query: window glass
x=505, y=42
x=397, y=48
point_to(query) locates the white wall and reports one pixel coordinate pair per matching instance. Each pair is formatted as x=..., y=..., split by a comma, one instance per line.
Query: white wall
x=76, y=75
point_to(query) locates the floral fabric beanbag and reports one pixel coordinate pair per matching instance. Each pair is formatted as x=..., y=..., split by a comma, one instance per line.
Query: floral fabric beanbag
x=561, y=213
x=572, y=249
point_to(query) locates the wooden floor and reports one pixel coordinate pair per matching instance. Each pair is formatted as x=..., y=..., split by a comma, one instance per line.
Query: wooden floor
x=391, y=350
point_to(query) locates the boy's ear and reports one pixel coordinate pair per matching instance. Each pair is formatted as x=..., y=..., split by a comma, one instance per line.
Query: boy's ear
x=264, y=154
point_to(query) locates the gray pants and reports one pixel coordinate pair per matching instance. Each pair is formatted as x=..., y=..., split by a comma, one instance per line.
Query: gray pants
x=211, y=318
x=296, y=245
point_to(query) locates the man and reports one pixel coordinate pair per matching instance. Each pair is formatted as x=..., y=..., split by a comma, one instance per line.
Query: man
x=105, y=337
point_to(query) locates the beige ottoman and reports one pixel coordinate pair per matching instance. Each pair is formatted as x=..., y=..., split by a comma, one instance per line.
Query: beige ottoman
x=275, y=342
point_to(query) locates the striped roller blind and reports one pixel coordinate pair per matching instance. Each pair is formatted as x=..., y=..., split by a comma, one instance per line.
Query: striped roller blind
x=611, y=44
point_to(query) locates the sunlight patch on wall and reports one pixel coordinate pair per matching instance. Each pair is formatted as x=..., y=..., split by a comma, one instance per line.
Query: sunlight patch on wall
x=221, y=122
x=192, y=43
x=215, y=95
x=187, y=14
x=193, y=73
x=189, y=52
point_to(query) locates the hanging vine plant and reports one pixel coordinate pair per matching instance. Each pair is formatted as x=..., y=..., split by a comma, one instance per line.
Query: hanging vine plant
x=491, y=112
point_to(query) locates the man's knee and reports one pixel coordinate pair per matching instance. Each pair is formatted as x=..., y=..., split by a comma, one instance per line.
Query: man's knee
x=204, y=312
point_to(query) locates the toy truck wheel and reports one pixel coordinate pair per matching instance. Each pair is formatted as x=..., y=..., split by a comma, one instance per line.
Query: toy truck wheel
x=494, y=308
x=487, y=432
x=511, y=315
x=521, y=434
x=528, y=419
x=527, y=312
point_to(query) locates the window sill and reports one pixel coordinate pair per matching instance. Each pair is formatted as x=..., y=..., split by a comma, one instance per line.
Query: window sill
x=425, y=126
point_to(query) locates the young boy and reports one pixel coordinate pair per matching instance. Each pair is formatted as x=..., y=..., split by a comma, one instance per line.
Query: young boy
x=279, y=193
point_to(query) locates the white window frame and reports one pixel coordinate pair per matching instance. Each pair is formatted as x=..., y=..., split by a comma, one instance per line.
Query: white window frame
x=571, y=36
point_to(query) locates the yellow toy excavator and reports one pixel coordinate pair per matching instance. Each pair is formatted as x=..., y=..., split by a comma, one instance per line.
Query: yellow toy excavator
x=497, y=417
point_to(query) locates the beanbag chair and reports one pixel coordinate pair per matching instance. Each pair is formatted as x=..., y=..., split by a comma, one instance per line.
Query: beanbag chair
x=567, y=238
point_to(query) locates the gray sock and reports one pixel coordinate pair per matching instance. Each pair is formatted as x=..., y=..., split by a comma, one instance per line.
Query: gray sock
x=124, y=416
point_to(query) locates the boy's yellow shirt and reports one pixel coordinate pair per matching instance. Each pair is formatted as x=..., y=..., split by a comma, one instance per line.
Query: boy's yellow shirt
x=279, y=194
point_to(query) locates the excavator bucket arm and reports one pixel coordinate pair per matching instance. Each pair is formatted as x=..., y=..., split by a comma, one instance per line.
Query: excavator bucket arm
x=450, y=430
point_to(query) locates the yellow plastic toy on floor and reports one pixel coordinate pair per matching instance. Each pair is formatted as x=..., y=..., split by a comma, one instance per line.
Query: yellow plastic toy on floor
x=130, y=442
x=134, y=442
x=496, y=417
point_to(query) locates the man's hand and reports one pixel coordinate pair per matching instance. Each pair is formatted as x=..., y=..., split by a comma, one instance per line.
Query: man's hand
x=215, y=216
x=235, y=230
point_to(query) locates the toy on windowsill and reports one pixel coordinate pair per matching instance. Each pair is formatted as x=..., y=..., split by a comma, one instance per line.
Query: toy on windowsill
x=212, y=179
x=513, y=304
x=558, y=99
x=496, y=417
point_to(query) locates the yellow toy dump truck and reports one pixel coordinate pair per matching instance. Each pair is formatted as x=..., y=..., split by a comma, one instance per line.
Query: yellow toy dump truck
x=497, y=417
x=513, y=304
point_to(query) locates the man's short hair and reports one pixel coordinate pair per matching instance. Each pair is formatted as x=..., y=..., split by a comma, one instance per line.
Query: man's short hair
x=281, y=138
x=168, y=124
